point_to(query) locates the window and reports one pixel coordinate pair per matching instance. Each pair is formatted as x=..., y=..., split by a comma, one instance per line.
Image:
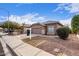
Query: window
x=50, y=29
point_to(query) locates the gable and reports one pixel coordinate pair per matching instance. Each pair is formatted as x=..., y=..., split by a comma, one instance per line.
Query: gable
x=36, y=26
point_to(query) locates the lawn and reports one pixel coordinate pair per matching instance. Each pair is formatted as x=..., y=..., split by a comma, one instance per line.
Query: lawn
x=55, y=45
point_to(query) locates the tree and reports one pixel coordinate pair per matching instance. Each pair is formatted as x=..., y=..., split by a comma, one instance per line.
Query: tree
x=11, y=26
x=22, y=28
x=75, y=24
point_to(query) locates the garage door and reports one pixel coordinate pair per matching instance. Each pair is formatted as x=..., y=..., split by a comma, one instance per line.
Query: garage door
x=36, y=31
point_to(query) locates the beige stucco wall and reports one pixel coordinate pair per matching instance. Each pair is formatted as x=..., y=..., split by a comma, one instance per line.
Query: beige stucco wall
x=37, y=26
x=55, y=26
x=58, y=26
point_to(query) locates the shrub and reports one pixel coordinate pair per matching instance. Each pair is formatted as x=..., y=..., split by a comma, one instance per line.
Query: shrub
x=63, y=33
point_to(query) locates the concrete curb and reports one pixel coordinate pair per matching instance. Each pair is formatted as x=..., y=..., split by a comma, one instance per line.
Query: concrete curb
x=5, y=48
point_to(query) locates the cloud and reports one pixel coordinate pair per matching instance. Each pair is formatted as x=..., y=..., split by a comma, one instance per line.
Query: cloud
x=70, y=7
x=75, y=8
x=28, y=18
x=63, y=6
x=33, y=18
x=66, y=22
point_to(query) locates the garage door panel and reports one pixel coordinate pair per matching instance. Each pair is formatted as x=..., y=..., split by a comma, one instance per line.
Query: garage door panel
x=36, y=31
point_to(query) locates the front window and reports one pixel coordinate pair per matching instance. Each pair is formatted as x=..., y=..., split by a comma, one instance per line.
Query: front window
x=50, y=29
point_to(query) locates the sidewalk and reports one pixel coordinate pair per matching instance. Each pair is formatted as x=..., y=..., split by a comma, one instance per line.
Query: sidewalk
x=1, y=50
x=6, y=49
x=23, y=49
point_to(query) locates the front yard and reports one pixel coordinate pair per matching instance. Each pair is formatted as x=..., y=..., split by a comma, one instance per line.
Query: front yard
x=56, y=46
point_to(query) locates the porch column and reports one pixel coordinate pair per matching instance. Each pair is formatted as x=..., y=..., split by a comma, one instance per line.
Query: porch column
x=30, y=33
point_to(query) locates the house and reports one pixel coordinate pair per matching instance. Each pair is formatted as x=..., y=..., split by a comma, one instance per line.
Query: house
x=46, y=28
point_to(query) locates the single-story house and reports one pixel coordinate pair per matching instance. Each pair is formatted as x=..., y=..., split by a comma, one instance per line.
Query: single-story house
x=46, y=28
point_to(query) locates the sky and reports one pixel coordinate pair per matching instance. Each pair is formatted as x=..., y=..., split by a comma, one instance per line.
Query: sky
x=38, y=12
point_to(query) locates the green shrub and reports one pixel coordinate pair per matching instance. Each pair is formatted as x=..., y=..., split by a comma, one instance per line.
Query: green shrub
x=63, y=33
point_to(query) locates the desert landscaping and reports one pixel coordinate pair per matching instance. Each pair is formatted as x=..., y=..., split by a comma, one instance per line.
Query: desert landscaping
x=49, y=44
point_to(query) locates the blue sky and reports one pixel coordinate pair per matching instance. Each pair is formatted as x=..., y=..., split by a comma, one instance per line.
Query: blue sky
x=37, y=12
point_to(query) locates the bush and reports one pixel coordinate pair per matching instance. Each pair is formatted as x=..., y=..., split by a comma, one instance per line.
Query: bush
x=63, y=33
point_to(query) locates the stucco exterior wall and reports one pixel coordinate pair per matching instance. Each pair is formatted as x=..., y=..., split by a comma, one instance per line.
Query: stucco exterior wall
x=39, y=29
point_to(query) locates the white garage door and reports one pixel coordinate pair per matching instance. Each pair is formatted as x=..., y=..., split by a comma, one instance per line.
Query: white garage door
x=36, y=31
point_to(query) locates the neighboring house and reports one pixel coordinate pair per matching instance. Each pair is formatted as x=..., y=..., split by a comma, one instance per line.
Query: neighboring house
x=27, y=27
x=47, y=28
